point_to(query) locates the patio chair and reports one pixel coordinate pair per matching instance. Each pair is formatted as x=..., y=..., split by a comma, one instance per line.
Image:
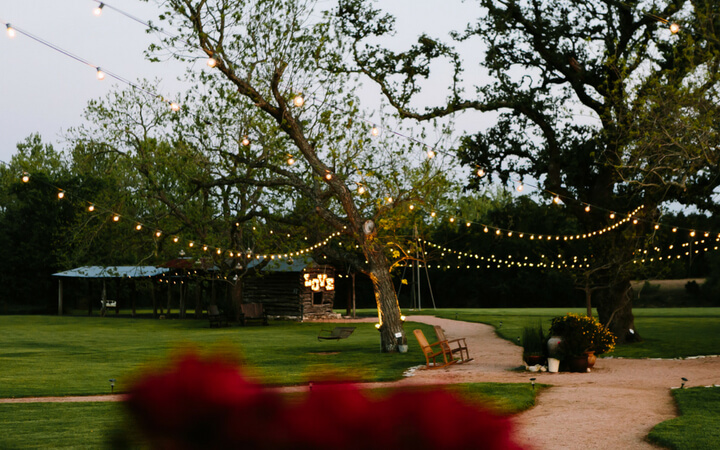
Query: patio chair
x=441, y=348
x=456, y=345
x=336, y=333
x=216, y=319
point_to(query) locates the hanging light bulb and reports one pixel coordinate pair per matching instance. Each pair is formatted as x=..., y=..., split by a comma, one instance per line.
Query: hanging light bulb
x=138, y=227
x=452, y=219
x=212, y=61
x=175, y=238
x=91, y=208
x=411, y=207
x=430, y=154
x=674, y=230
x=25, y=177
x=291, y=160
x=389, y=199
x=556, y=199
x=298, y=101
x=587, y=208
x=116, y=218
x=98, y=11
x=174, y=106
x=481, y=173
x=245, y=141
x=674, y=28
x=10, y=31
x=100, y=74
x=61, y=195
x=218, y=251
x=191, y=244
x=612, y=215
x=657, y=227
x=205, y=247
x=692, y=233
x=328, y=176
x=486, y=229
x=158, y=233
x=520, y=187
x=375, y=131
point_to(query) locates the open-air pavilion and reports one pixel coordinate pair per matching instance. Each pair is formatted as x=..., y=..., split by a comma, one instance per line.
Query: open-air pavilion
x=105, y=273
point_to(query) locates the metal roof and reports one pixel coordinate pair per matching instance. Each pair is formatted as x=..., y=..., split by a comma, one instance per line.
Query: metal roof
x=112, y=272
x=282, y=265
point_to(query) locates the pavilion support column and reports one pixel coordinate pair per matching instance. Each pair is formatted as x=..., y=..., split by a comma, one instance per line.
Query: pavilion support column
x=60, y=298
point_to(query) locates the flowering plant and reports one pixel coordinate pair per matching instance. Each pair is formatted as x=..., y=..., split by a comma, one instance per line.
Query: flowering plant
x=581, y=334
x=209, y=404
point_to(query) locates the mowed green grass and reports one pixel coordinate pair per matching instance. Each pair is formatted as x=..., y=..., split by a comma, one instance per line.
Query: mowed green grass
x=48, y=355
x=98, y=424
x=666, y=332
x=698, y=426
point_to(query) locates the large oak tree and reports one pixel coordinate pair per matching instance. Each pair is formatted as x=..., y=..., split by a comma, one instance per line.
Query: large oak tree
x=599, y=100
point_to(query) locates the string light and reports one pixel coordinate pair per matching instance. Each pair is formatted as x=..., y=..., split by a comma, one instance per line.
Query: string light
x=138, y=227
x=328, y=176
x=91, y=208
x=375, y=131
x=158, y=233
x=10, y=31
x=612, y=215
x=674, y=28
x=25, y=177
x=291, y=160
x=430, y=154
x=520, y=187
x=361, y=189
x=212, y=62
x=100, y=74
x=481, y=173
x=174, y=106
x=245, y=141
x=98, y=11
x=61, y=194
x=587, y=208
x=556, y=200
x=298, y=101
x=116, y=218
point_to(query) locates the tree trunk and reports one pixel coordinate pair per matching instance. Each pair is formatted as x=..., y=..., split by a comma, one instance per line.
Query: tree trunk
x=169, y=298
x=237, y=297
x=391, y=326
x=153, y=285
x=198, y=299
x=614, y=307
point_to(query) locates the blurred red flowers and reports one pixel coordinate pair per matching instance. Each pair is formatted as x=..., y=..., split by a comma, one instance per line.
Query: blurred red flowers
x=208, y=404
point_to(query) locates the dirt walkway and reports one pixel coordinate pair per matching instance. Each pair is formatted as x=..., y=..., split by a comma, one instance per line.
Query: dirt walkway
x=613, y=407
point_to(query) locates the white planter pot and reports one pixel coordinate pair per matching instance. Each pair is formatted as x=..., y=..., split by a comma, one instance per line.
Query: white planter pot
x=553, y=365
x=403, y=348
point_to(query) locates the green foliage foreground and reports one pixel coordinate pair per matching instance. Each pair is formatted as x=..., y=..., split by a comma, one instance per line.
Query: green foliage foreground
x=697, y=426
x=46, y=355
x=95, y=425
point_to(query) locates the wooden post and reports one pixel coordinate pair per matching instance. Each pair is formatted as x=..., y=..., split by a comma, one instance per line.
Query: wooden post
x=60, y=297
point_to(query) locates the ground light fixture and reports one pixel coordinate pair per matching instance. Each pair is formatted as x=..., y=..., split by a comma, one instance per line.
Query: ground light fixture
x=532, y=380
x=684, y=380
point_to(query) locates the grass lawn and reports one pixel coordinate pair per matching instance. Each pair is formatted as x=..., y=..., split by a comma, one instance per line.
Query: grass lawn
x=699, y=423
x=49, y=355
x=94, y=424
x=666, y=332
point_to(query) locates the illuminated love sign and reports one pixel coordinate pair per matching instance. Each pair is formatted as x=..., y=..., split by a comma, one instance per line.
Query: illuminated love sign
x=320, y=281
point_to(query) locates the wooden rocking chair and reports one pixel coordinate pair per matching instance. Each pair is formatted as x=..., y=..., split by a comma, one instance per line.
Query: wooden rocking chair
x=456, y=345
x=442, y=348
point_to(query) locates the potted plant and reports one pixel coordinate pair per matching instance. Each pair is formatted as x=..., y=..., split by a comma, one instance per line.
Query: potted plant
x=534, y=345
x=576, y=334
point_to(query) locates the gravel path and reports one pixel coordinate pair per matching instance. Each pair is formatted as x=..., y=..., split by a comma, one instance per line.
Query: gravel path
x=613, y=407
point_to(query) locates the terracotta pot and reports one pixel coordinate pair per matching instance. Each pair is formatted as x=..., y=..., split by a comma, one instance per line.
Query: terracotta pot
x=591, y=359
x=577, y=363
x=532, y=360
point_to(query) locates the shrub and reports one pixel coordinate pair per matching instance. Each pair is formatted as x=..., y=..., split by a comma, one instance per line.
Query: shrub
x=581, y=334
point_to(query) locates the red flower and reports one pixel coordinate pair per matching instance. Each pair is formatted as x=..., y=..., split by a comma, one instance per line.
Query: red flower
x=208, y=404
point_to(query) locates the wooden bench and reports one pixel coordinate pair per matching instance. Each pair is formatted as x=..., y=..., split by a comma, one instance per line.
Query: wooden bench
x=107, y=304
x=253, y=311
x=216, y=319
x=336, y=333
